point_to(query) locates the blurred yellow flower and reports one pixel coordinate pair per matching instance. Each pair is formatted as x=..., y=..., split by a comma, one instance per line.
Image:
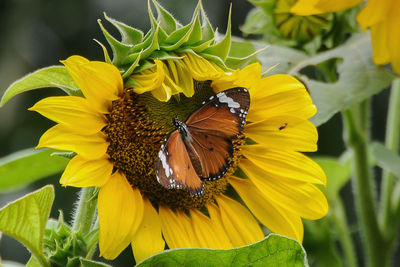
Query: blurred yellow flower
x=380, y=16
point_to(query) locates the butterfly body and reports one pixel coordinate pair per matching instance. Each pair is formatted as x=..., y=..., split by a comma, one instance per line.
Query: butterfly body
x=201, y=147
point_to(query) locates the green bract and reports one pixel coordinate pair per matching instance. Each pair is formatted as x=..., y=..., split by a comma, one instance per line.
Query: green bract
x=166, y=39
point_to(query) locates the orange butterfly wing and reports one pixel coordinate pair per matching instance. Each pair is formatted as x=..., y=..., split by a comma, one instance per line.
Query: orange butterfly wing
x=204, y=146
x=212, y=129
x=174, y=168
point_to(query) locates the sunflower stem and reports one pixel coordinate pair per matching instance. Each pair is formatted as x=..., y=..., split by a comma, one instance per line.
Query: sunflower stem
x=85, y=210
x=339, y=218
x=392, y=143
x=356, y=136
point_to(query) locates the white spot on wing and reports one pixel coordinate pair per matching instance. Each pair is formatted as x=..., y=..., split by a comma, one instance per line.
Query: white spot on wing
x=167, y=169
x=223, y=98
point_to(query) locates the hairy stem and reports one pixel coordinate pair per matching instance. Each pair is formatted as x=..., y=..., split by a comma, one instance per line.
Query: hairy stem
x=85, y=210
x=355, y=135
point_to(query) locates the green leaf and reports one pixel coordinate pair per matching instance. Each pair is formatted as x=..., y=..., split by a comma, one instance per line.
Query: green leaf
x=92, y=263
x=53, y=76
x=386, y=159
x=337, y=175
x=274, y=250
x=358, y=77
x=24, y=167
x=25, y=220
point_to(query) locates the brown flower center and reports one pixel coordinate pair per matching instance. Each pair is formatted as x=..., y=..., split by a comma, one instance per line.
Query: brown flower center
x=138, y=125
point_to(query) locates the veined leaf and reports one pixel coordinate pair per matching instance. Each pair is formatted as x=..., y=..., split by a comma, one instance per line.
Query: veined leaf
x=274, y=250
x=53, y=76
x=386, y=159
x=25, y=220
x=24, y=167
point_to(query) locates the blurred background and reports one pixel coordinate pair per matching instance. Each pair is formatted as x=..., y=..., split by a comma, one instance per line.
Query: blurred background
x=39, y=33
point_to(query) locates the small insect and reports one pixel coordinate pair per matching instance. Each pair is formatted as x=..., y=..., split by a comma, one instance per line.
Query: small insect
x=283, y=126
x=200, y=148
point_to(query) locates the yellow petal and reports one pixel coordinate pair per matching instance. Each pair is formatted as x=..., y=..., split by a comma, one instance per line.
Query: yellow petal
x=312, y=7
x=242, y=227
x=120, y=209
x=247, y=78
x=177, y=229
x=149, y=79
x=100, y=82
x=81, y=172
x=71, y=111
x=162, y=93
x=284, y=133
x=306, y=8
x=178, y=78
x=218, y=225
x=88, y=146
x=374, y=12
x=303, y=199
x=379, y=38
x=295, y=102
x=276, y=219
x=274, y=84
x=200, y=68
x=148, y=239
x=393, y=34
x=205, y=232
x=285, y=164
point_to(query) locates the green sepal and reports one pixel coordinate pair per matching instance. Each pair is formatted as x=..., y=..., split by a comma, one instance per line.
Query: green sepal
x=120, y=50
x=164, y=55
x=105, y=52
x=63, y=246
x=207, y=29
x=185, y=34
x=130, y=70
x=222, y=48
x=129, y=35
x=146, y=52
x=167, y=21
x=155, y=25
x=168, y=37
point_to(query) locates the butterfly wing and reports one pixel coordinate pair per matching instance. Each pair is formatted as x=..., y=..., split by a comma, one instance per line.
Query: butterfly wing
x=212, y=128
x=174, y=168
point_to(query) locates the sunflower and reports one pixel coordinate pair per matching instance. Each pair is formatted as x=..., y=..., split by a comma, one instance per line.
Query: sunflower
x=116, y=131
x=380, y=16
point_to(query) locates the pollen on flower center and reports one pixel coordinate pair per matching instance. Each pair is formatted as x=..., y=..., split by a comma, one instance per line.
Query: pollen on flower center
x=138, y=125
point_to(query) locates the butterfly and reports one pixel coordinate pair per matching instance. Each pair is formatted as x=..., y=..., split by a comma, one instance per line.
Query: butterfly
x=200, y=148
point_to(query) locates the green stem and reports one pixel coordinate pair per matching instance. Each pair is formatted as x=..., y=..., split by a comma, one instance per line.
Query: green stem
x=363, y=185
x=340, y=221
x=392, y=143
x=85, y=210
